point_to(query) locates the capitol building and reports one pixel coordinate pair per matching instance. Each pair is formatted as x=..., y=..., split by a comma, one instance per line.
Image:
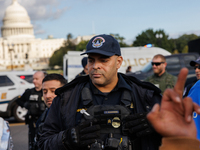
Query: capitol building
x=19, y=49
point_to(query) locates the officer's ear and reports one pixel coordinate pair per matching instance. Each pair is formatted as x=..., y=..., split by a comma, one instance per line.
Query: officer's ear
x=165, y=64
x=119, y=61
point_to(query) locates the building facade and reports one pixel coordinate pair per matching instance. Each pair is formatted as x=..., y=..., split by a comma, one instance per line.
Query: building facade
x=19, y=49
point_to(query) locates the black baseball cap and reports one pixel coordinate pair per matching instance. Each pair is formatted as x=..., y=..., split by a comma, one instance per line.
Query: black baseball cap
x=103, y=44
x=84, y=62
x=193, y=63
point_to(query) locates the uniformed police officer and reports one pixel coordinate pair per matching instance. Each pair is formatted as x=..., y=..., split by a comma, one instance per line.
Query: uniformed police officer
x=33, y=101
x=161, y=78
x=105, y=110
x=85, y=68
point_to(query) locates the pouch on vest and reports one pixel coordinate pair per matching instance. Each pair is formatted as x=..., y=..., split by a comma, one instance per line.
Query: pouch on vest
x=110, y=119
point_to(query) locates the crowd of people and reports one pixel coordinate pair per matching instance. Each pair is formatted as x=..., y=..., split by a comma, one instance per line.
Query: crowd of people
x=104, y=109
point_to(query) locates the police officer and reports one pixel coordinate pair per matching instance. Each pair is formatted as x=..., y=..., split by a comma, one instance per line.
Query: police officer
x=33, y=101
x=103, y=110
x=161, y=78
x=85, y=68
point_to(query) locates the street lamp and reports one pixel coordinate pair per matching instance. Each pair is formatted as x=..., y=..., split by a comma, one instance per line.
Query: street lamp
x=159, y=36
x=11, y=49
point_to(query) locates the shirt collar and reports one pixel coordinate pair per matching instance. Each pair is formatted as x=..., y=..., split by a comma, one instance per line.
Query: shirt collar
x=120, y=85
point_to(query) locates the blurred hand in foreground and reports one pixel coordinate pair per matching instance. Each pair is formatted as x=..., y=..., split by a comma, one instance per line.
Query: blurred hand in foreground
x=175, y=115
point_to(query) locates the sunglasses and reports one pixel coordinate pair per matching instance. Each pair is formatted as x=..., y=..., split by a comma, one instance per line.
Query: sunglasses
x=195, y=67
x=156, y=63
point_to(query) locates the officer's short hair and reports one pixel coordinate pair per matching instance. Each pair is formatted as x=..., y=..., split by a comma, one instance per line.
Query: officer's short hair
x=160, y=56
x=55, y=76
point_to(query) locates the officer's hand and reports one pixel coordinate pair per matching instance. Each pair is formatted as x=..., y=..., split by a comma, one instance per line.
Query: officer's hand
x=84, y=134
x=137, y=125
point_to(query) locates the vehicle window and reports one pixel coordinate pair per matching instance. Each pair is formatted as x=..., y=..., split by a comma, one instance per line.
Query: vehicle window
x=28, y=78
x=147, y=67
x=173, y=64
x=187, y=60
x=5, y=81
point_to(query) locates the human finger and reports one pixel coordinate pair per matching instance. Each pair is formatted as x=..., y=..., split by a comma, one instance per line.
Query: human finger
x=153, y=115
x=170, y=95
x=196, y=108
x=179, y=86
x=171, y=100
x=188, y=106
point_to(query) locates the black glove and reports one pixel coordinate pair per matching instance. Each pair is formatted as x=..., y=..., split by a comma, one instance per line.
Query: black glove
x=136, y=125
x=84, y=134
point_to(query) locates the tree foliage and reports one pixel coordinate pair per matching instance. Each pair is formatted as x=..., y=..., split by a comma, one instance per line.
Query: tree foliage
x=81, y=46
x=157, y=38
x=120, y=39
x=183, y=40
x=57, y=57
x=160, y=39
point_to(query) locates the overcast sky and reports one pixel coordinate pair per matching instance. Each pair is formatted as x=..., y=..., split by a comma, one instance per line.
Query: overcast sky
x=128, y=18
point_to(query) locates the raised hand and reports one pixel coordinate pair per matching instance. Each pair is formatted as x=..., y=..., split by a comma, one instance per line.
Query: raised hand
x=174, y=116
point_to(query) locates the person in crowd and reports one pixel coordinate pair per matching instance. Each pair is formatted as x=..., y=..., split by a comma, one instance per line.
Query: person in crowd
x=49, y=84
x=85, y=68
x=105, y=109
x=195, y=95
x=33, y=101
x=128, y=70
x=173, y=119
x=161, y=78
x=196, y=65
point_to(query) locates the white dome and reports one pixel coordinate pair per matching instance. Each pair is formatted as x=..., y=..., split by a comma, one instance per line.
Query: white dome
x=16, y=22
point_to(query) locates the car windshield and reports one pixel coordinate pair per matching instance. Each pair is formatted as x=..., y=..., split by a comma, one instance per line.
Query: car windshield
x=28, y=78
x=147, y=67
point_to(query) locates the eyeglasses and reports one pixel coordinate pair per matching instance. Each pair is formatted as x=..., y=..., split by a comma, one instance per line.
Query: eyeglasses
x=195, y=67
x=156, y=63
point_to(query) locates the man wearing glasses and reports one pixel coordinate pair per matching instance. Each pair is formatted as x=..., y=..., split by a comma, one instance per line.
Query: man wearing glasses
x=196, y=65
x=161, y=78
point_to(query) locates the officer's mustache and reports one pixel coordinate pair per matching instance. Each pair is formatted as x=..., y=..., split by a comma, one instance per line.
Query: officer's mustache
x=96, y=72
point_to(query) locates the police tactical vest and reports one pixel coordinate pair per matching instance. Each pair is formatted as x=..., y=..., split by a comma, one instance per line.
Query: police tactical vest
x=110, y=119
x=37, y=105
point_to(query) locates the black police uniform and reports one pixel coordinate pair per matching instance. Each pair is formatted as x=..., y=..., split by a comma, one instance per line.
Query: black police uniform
x=33, y=101
x=64, y=112
x=82, y=73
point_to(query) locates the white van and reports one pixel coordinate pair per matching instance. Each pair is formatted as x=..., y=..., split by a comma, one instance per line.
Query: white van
x=12, y=85
x=136, y=57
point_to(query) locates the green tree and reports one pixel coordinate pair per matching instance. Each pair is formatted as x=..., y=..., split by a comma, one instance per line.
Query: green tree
x=185, y=49
x=81, y=46
x=183, y=40
x=158, y=38
x=120, y=39
x=57, y=57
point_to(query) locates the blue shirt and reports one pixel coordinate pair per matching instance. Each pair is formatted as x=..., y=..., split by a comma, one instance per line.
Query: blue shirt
x=195, y=95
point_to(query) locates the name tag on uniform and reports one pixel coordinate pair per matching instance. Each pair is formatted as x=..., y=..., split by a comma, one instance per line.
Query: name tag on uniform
x=33, y=97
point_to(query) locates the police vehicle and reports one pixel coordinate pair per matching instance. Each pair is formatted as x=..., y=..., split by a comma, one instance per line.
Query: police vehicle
x=12, y=85
x=136, y=57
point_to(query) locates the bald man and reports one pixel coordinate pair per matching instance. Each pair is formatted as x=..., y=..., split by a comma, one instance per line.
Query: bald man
x=33, y=101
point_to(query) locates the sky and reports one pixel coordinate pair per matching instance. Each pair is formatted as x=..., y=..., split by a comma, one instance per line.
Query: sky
x=128, y=18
